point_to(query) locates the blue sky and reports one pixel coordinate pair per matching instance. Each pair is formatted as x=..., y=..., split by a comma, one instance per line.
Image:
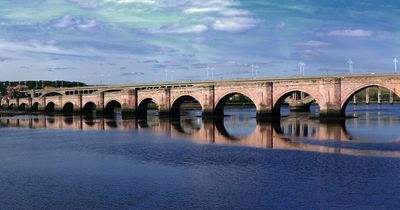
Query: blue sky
x=128, y=41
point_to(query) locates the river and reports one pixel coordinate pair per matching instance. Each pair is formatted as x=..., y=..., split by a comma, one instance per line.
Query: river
x=234, y=162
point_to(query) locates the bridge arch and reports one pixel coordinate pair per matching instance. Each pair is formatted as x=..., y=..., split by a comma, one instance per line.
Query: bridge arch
x=346, y=100
x=68, y=108
x=221, y=102
x=179, y=101
x=35, y=107
x=51, y=107
x=145, y=104
x=12, y=106
x=112, y=107
x=89, y=108
x=22, y=107
x=278, y=101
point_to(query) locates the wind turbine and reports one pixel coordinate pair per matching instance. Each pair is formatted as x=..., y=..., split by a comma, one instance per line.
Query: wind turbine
x=208, y=69
x=172, y=76
x=351, y=64
x=302, y=67
x=395, y=61
x=136, y=75
x=101, y=80
x=133, y=74
x=254, y=69
x=166, y=75
x=208, y=72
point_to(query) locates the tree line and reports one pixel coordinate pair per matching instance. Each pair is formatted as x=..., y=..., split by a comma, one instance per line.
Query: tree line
x=34, y=84
x=373, y=95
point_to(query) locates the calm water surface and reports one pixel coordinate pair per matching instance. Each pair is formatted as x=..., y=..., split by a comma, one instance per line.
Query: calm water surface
x=235, y=162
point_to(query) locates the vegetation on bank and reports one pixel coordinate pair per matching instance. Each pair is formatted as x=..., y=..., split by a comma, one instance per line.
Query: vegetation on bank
x=373, y=95
x=4, y=85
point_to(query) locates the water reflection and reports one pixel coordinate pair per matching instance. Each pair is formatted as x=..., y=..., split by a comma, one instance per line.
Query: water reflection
x=289, y=133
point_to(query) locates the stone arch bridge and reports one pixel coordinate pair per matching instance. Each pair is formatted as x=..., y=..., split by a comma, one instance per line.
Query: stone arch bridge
x=331, y=94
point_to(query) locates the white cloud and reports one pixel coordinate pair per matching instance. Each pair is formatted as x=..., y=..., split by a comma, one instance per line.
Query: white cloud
x=81, y=25
x=235, y=24
x=281, y=25
x=84, y=4
x=88, y=25
x=33, y=46
x=313, y=44
x=176, y=29
x=132, y=1
x=224, y=8
x=64, y=22
x=199, y=10
x=221, y=3
x=222, y=15
x=234, y=12
x=351, y=33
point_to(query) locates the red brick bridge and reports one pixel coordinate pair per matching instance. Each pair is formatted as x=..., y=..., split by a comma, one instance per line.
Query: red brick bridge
x=331, y=93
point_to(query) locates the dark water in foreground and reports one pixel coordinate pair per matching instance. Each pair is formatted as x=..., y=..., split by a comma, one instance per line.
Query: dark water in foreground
x=55, y=162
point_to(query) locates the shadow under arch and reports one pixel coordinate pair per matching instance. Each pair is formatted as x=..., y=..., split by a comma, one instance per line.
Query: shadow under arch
x=234, y=99
x=145, y=105
x=51, y=94
x=89, y=108
x=112, y=107
x=22, y=107
x=184, y=102
x=111, y=91
x=68, y=108
x=35, y=107
x=13, y=106
x=50, y=107
x=349, y=98
x=308, y=101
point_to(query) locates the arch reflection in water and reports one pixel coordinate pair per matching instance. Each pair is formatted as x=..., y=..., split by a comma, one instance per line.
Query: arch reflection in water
x=376, y=123
x=286, y=133
x=302, y=127
x=187, y=125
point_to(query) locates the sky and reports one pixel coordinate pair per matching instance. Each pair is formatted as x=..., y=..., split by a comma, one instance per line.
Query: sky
x=136, y=41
